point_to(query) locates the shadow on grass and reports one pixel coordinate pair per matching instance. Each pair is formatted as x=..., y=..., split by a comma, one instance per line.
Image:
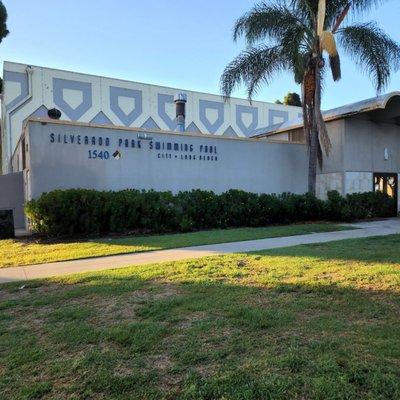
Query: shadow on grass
x=380, y=249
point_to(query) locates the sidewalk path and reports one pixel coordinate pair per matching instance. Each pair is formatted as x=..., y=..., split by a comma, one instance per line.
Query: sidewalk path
x=366, y=229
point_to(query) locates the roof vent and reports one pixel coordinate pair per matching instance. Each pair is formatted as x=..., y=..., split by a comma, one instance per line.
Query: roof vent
x=180, y=100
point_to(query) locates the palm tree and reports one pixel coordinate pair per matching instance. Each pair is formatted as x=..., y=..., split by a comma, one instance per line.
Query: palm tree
x=297, y=36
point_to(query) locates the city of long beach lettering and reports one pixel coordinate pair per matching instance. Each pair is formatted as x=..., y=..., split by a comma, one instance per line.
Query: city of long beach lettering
x=109, y=147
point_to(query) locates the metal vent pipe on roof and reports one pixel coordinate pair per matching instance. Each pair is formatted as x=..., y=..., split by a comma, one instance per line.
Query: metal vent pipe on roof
x=180, y=100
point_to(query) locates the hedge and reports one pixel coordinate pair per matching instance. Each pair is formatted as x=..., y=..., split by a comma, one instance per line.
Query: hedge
x=82, y=212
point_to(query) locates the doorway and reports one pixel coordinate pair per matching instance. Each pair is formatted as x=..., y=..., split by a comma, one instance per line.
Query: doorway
x=387, y=183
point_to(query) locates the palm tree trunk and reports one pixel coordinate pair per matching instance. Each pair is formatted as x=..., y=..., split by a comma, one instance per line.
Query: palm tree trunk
x=313, y=120
x=310, y=124
x=313, y=154
x=316, y=132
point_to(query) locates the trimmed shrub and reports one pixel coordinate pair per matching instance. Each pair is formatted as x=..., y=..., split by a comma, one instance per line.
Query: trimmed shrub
x=237, y=208
x=82, y=212
x=198, y=209
x=359, y=206
x=69, y=212
x=123, y=210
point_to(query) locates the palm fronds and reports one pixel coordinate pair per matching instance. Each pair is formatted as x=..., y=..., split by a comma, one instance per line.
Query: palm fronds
x=334, y=63
x=341, y=16
x=372, y=50
x=328, y=44
x=307, y=9
x=362, y=6
x=253, y=67
x=269, y=23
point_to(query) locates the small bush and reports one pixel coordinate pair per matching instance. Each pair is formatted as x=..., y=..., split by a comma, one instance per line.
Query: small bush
x=359, y=206
x=69, y=212
x=199, y=209
x=82, y=212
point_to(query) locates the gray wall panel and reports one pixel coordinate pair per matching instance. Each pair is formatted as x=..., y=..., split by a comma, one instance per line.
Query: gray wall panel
x=365, y=143
x=12, y=196
x=335, y=162
x=255, y=166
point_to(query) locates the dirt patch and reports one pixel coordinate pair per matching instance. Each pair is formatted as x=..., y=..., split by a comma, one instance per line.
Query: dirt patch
x=123, y=308
x=191, y=319
x=26, y=289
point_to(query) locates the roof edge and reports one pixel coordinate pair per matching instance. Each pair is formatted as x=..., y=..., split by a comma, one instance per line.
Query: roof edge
x=360, y=107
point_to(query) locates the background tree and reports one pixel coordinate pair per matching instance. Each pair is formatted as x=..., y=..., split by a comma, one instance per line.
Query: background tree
x=298, y=36
x=291, y=99
x=3, y=22
x=3, y=31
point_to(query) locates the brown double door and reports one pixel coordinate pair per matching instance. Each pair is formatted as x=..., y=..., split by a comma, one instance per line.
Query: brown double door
x=387, y=183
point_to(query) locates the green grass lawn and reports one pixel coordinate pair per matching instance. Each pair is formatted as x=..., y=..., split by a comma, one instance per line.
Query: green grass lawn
x=307, y=322
x=25, y=251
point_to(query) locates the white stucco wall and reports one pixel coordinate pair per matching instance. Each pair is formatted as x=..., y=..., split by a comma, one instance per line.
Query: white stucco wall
x=102, y=100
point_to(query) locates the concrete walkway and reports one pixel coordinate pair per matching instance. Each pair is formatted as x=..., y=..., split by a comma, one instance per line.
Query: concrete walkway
x=366, y=229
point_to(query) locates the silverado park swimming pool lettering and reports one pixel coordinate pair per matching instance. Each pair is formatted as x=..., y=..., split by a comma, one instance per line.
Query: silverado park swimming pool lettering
x=186, y=150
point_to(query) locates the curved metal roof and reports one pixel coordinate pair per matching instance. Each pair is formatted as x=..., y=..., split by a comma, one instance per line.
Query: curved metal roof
x=374, y=103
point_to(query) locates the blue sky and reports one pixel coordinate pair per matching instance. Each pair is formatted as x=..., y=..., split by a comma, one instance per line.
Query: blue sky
x=178, y=43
